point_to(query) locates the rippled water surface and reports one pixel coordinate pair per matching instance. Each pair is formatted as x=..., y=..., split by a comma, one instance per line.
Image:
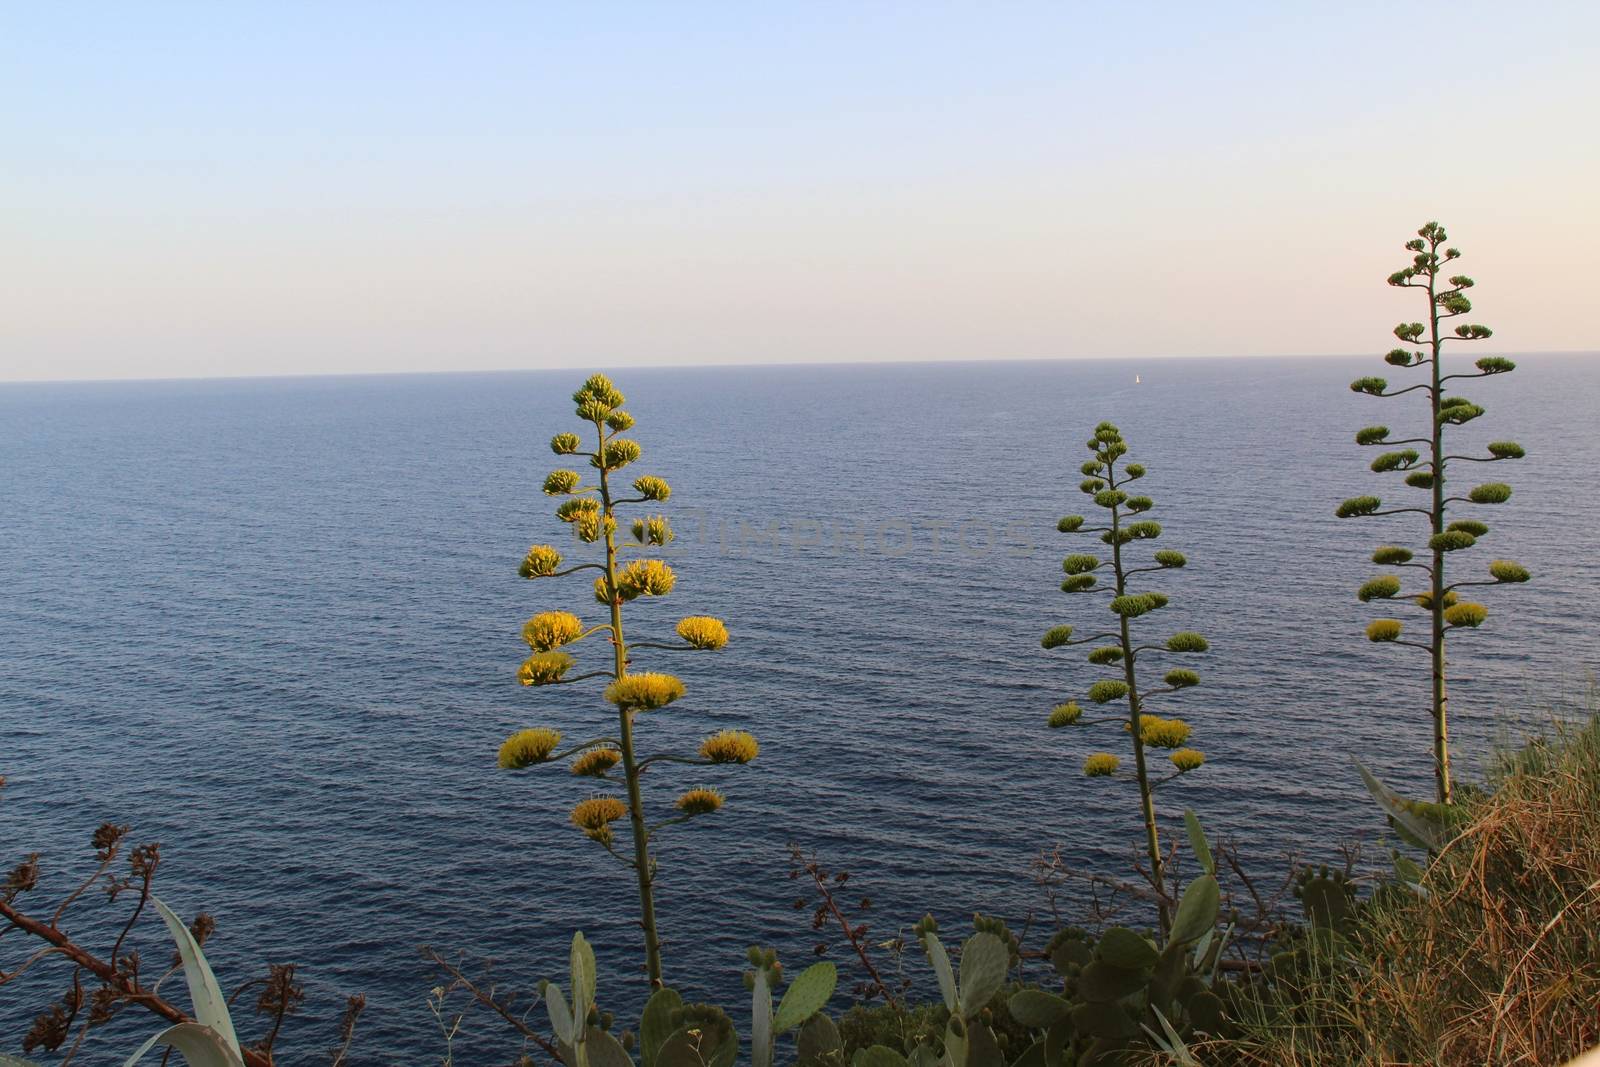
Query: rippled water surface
x=274, y=624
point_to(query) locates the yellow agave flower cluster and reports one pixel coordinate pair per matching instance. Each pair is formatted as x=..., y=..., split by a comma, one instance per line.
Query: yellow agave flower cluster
x=588, y=506
x=1157, y=732
x=595, y=815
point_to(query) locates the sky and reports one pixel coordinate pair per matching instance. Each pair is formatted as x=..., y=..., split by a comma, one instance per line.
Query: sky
x=201, y=189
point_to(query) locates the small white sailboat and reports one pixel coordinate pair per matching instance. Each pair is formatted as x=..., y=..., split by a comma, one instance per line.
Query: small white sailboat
x=1135, y=379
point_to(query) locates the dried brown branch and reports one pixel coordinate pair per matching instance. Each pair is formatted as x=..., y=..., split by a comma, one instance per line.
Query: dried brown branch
x=829, y=907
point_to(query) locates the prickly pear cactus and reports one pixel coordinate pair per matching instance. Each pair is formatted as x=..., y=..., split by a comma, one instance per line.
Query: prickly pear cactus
x=1123, y=987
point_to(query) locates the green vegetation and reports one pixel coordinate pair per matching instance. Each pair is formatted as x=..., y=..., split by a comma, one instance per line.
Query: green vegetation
x=1490, y=954
x=1427, y=470
x=1108, y=486
x=591, y=510
x=671, y=1033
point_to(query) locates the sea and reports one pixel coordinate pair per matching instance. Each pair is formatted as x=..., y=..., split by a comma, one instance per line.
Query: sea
x=273, y=625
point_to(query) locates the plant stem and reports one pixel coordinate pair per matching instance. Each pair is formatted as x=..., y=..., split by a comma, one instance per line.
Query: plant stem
x=1441, y=728
x=1147, y=802
x=643, y=865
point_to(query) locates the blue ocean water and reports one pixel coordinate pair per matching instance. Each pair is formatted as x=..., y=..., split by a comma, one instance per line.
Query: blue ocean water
x=274, y=625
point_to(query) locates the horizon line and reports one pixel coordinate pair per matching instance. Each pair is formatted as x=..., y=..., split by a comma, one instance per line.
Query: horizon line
x=292, y=375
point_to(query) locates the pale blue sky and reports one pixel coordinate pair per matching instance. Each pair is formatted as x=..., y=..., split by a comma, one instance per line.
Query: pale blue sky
x=258, y=189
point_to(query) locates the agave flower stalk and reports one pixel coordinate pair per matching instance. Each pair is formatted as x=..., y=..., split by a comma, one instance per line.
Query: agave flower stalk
x=591, y=509
x=1108, y=485
x=1426, y=470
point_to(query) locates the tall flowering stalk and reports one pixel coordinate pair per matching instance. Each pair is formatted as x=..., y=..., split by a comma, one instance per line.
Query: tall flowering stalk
x=591, y=509
x=1426, y=471
x=1107, y=485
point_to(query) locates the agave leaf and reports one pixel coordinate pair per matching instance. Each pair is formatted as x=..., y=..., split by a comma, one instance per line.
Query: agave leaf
x=1170, y=1042
x=1197, y=842
x=806, y=996
x=209, y=1003
x=761, y=1021
x=199, y=1045
x=940, y=959
x=985, y=959
x=1420, y=831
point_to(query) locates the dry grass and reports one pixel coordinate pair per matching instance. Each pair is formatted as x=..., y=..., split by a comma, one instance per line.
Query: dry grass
x=1498, y=964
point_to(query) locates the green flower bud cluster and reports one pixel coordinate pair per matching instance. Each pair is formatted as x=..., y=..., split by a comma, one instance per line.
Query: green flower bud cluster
x=540, y=562
x=1505, y=570
x=1132, y=605
x=561, y=483
x=1384, y=630
x=1453, y=411
x=1108, y=689
x=1451, y=541
x=1106, y=484
x=1372, y=435
x=597, y=398
x=1390, y=461
x=1056, y=636
x=654, y=530
x=618, y=453
x=1490, y=493
x=1426, y=469
x=652, y=488
x=1382, y=587
x=1065, y=714
x=1359, y=505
